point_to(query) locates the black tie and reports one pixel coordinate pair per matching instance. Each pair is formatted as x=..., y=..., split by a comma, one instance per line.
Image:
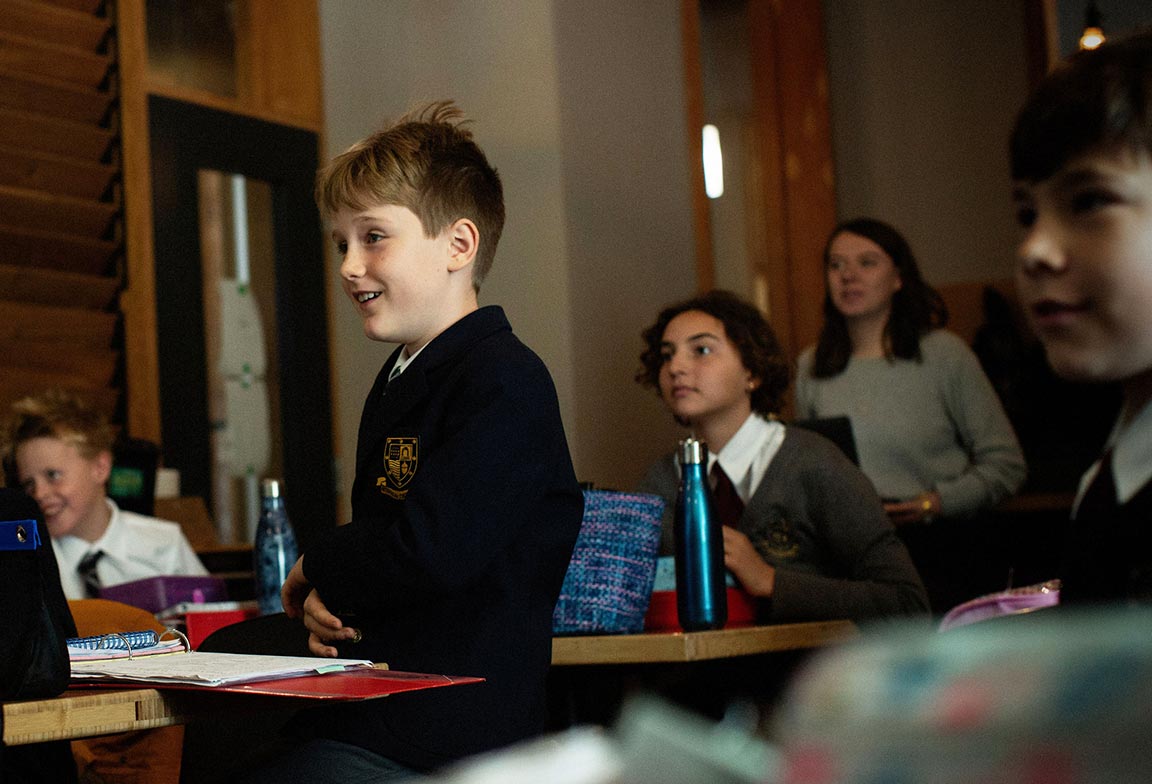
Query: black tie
x=729, y=507
x=393, y=374
x=1099, y=500
x=87, y=572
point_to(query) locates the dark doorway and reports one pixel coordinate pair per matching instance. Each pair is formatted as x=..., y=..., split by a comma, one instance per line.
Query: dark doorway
x=186, y=140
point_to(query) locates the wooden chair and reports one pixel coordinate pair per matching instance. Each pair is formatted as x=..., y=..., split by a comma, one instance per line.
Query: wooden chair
x=144, y=757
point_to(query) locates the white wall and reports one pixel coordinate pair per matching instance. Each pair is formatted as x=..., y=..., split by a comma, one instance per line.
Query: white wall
x=579, y=107
x=628, y=219
x=923, y=97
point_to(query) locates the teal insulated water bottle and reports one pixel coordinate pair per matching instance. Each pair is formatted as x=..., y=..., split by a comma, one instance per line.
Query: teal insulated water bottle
x=275, y=549
x=701, y=594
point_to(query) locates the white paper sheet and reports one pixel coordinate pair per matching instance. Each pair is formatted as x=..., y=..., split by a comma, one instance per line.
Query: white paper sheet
x=202, y=668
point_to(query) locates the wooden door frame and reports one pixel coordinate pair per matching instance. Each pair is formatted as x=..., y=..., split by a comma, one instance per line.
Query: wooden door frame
x=795, y=196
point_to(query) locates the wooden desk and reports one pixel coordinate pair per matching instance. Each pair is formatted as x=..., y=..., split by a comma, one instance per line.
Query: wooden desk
x=86, y=713
x=669, y=647
x=83, y=714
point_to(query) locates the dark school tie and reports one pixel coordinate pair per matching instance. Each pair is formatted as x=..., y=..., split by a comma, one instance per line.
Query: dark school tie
x=393, y=374
x=1099, y=500
x=1097, y=557
x=87, y=572
x=728, y=505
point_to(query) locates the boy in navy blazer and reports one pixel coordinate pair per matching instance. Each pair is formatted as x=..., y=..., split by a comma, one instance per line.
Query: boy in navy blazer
x=465, y=506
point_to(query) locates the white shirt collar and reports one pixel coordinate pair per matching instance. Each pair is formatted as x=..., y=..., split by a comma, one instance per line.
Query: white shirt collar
x=1131, y=446
x=748, y=453
x=404, y=361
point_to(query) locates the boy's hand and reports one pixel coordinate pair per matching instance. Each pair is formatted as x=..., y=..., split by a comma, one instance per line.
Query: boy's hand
x=301, y=600
x=921, y=509
x=326, y=629
x=752, y=571
x=295, y=590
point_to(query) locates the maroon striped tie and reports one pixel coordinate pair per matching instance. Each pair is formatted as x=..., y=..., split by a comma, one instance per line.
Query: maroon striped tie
x=729, y=507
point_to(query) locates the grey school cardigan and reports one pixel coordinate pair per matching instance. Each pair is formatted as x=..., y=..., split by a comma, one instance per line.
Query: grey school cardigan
x=816, y=518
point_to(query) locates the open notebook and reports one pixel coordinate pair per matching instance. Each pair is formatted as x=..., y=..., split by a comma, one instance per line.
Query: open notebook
x=202, y=668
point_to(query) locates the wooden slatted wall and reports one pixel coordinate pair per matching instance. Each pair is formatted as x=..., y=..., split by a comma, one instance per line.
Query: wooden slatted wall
x=61, y=228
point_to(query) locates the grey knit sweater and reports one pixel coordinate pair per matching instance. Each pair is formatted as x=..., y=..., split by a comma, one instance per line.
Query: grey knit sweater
x=930, y=425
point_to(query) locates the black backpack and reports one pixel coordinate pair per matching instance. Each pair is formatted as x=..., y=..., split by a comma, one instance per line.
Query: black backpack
x=33, y=635
x=37, y=622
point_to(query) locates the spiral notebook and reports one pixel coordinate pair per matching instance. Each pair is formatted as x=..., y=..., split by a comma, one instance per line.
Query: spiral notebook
x=127, y=645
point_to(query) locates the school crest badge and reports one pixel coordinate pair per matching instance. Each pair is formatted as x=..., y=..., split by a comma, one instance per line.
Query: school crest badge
x=782, y=542
x=775, y=538
x=401, y=456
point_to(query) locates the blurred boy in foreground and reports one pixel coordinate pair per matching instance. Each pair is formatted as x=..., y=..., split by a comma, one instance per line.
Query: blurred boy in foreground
x=1082, y=165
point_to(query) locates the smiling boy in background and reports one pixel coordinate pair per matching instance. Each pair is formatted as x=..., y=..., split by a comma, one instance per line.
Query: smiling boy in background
x=59, y=450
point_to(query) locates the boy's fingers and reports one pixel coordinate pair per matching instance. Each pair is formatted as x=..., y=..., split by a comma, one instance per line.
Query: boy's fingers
x=315, y=608
x=325, y=627
x=319, y=648
x=295, y=590
x=327, y=633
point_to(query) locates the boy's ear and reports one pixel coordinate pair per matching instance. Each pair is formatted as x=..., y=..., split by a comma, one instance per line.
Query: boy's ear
x=102, y=466
x=463, y=242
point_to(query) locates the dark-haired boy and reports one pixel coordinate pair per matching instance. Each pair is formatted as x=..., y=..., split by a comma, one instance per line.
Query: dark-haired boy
x=465, y=506
x=1082, y=162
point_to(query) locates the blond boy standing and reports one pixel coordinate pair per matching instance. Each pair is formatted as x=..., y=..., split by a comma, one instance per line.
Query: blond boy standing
x=465, y=506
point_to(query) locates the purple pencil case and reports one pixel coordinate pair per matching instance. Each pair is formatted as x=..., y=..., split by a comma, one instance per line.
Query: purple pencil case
x=1011, y=602
x=159, y=593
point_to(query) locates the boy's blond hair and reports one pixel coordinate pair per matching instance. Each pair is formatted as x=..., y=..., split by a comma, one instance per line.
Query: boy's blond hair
x=61, y=415
x=428, y=163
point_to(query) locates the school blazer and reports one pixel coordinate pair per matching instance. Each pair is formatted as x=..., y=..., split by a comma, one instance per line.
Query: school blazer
x=465, y=511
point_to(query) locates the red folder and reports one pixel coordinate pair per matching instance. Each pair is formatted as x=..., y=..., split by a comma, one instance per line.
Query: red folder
x=350, y=685
x=362, y=684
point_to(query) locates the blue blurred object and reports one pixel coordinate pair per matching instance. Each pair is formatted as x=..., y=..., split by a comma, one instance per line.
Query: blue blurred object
x=1054, y=696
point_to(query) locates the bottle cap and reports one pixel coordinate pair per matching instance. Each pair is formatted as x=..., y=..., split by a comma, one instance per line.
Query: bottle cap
x=270, y=488
x=693, y=452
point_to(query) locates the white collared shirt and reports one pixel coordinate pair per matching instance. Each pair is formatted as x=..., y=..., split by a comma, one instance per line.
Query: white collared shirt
x=747, y=455
x=134, y=547
x=404, y=361
x=1131, y=447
